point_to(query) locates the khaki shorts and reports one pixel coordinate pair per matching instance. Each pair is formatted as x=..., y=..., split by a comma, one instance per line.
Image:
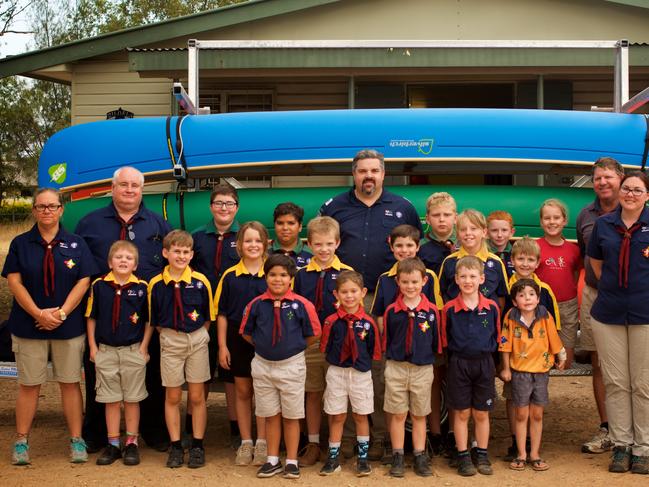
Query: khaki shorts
x=586, y=339
x=32, y=354
x=316, y=369
x=184, y=357
x=120, y=374
x=279, y=386
x=569, y=312
x=345, y=383
x=407, y=388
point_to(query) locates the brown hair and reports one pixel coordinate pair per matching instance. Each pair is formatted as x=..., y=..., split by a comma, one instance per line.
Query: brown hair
x=557, y=204
x=368, y=154
x=347, y=276
x=640, y=175
x=225, y=190
x=179, y=238
x=253, y=225
x=40, y=191
x=526, y=246
x=469, y=262
x=323, y=225
x=521, y=284
x=411, y=264
x=123, y=245
x=608, y=163
x=405, y=231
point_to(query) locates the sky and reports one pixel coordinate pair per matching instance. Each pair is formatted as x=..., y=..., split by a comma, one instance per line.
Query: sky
x=12, y=44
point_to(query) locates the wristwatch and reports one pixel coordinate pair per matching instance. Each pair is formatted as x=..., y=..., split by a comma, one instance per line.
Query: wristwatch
x=62, y=314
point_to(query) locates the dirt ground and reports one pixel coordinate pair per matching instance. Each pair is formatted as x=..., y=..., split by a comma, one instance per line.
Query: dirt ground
x=571, y=418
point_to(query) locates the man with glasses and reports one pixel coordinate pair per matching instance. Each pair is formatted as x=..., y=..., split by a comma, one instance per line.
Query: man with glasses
x=126, y=218
x=607, y=177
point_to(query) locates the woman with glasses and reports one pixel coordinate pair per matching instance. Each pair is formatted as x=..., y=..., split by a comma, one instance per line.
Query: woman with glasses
x=215, y=251
x=619, y=255
x=48, y=271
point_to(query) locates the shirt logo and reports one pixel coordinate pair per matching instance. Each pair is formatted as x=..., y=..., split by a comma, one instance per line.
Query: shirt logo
x=503, y=340
x=134, y=317
x=644, y=229
x=74, y=245
x=645, y=252
x=421, y=315
x=362, y=335
x=490, y=263
x=295, y=305
x=189, y=286
x=193, y=315
x=367, y=326
x=431, y=317
x=63, y=245
x=140, y=293
x=399, y=214
x=131, y=292
x=199, y=285
x=389, y=213
x=69, y=263
x=424, y=327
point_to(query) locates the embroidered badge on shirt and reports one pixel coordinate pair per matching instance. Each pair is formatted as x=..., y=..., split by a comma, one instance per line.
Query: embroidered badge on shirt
x=424, y=327
x=362, y=335
x=134, y=317
x=193, y=315
x=645, y=252
x=503, y=340
x=69, y=263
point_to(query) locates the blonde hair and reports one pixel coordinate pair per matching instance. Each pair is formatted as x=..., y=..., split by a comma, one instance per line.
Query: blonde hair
x=123, y=245
x=526, y=246
x=252, y=225
x=439, y=199
x=347, y=276
x=557, y=204
x=179, y=238
x=323, y=225
x=471, y=216
x=470, y=262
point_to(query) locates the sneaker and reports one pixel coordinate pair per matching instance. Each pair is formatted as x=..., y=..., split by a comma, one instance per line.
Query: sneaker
x=196, y=457
x=78, y=452
x=348, y=448
x=268, y=470
x=465, y=466
x=291, y=471
x=398, y=468
x=260, y=454
x=244, y=455
x=309, y=455
x=331, y=466
x=110, y=454
x=176, y=457
x=131, y=454
x=422, y=466
x=600, y=443
x=640, y=464
x=363, y=468
x=386, y=459
x=620, y=460
x=377, y=447
x=484, y=465
x=20, y=455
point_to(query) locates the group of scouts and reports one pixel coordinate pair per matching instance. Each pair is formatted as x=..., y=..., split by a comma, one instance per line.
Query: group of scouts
x=305, y=329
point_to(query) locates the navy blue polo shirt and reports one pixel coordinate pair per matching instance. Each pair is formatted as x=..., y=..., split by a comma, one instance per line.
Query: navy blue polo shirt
x=298, y=321
x=546, y=299
x=206, y=240
x=236, y=289
x=133, y=311
x=387, y=291
x=616, y=304
x=72, y=262
x=471, y=332
x=301, y=254
x=426, y=340
x=432, y=252
x=495, y=284
x=101, y=228
x=306, y=281
x=196, y=297
x=366, y=335
x=364, y=230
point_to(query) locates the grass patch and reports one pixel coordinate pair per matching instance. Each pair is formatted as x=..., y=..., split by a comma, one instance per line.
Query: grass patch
x=7, y=234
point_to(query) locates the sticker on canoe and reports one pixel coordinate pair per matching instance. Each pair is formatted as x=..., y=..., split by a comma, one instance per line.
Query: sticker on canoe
x=58, y=172
x=424, y=146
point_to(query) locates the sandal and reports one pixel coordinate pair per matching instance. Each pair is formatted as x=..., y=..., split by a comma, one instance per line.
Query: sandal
x=517, y=464
x=539, y=465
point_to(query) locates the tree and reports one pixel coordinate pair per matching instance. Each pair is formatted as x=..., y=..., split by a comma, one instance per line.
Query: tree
x=9, y=11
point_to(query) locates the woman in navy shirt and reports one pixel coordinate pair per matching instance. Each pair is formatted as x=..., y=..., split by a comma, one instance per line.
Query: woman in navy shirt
x=619, y=255
x=48, y=272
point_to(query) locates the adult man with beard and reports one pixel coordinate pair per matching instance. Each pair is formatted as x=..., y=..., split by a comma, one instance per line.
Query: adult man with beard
x=126, y=218
x=366, y=215
x=607, y=178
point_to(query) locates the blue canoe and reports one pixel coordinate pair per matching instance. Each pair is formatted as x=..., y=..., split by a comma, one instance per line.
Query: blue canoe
x=422, y=141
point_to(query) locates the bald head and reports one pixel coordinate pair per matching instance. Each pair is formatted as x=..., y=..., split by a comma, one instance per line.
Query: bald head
x=127, y=189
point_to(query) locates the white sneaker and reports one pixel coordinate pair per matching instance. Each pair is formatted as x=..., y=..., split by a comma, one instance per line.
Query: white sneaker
x=244, y=455
x=261, y=453
x=600, y=443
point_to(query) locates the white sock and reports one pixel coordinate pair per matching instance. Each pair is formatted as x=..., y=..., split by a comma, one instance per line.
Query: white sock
x=272, y=460
x=335, y=444
x=314, y=438
x=291, y=462
x=261, y=441
x=363, y=438
x=246, y=442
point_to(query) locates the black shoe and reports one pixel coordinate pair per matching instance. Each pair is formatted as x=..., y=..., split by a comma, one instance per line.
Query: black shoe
x=196, y=457
x=331, y=466
x=268, y=470
x=620, y=460
x=109, y=455
x=131, y=454
x=291, y=471
x=93, y=446
x=484, y=465
x=176, y=458
x=363, y=468
x=422, y=465
x=397, y=469
x=465, y=466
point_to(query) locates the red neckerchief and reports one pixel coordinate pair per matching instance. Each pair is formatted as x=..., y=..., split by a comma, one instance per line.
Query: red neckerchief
x=350, y=347
x=124, y=225
x=277, y=321
x=48, y=266
x=409, y=331
x=625, y=250
x=178, y=306
x=219, y=251
x=117, y=301
x=319, y=290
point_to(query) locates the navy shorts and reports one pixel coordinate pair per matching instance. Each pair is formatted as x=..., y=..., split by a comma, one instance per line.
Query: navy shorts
x=470, y=382
x=529, y=388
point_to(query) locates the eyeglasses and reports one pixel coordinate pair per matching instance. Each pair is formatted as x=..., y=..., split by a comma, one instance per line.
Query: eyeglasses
x=634, y=191
x=224, y=204
x=42, y=208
